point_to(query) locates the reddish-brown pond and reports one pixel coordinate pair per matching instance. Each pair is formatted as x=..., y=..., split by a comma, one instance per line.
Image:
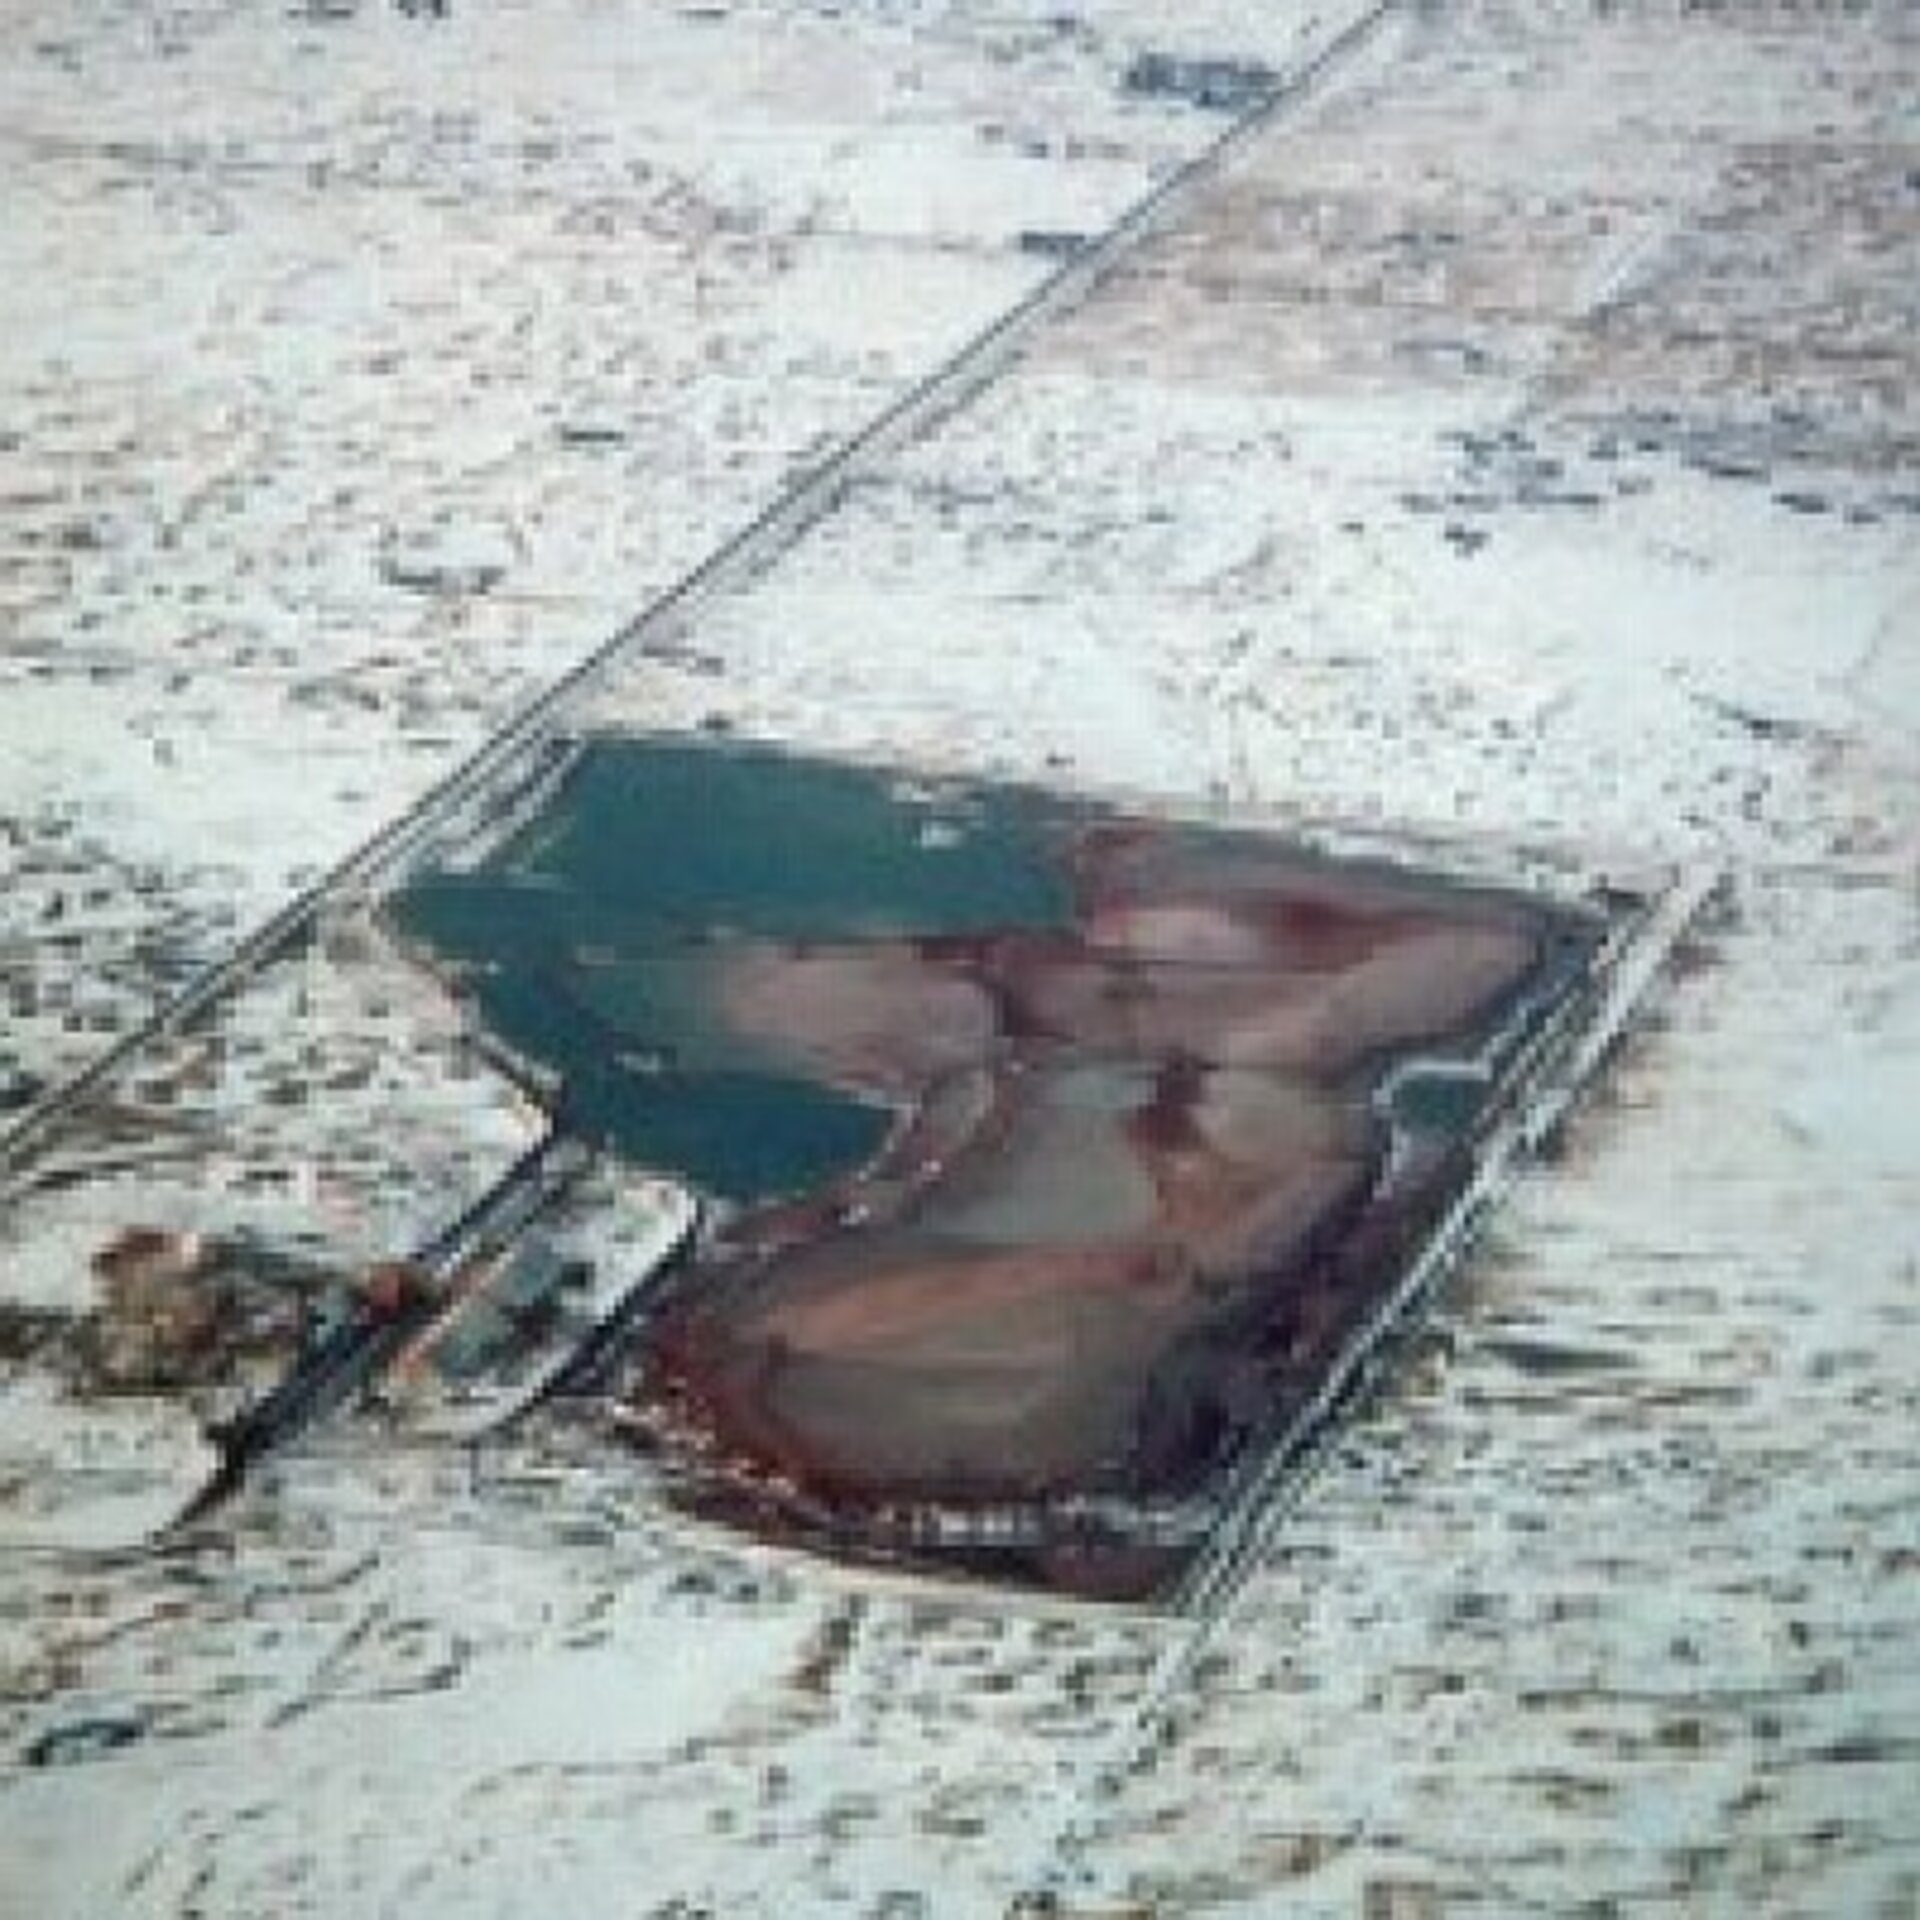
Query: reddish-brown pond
x=1145, y=1150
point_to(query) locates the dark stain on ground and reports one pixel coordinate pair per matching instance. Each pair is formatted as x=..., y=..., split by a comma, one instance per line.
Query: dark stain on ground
x=1550, y=1358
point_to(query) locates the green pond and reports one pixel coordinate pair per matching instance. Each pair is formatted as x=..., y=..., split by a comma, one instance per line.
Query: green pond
x=593, y=939
x=588, y=938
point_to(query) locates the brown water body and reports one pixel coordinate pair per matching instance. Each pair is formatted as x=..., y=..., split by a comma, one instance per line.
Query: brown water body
x=1138, y=1196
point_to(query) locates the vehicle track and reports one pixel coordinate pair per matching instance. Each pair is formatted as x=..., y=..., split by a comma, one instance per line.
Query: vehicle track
x=809, y=499
x=1537, y=1091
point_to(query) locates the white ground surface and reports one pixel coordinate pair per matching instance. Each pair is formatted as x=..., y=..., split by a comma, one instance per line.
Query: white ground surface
x=363, y=372
x=1518, y=441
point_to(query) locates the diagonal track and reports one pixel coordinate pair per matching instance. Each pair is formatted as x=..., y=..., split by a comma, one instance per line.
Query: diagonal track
x=811, y=498
x=1538, y=1091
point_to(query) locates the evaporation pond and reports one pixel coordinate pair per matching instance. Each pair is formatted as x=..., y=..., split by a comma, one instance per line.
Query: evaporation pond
x=1066, y=1147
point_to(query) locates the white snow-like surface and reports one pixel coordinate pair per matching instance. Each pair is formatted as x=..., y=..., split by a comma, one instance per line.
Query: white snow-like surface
x=1518, y=441
x=363, y=372
x=87, y=1477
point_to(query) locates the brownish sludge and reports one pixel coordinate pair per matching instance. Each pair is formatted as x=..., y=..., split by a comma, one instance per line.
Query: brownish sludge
x=1137, y=1198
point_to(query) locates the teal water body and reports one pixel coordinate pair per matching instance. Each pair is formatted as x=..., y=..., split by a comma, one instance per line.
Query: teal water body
x=1443, y=1100
x=595, y=940
x=589, y=939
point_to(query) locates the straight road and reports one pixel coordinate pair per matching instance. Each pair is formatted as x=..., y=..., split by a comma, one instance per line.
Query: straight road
x=501, y=762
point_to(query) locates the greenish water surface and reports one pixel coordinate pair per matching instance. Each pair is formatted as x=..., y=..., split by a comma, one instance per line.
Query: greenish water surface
x=589, y=939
